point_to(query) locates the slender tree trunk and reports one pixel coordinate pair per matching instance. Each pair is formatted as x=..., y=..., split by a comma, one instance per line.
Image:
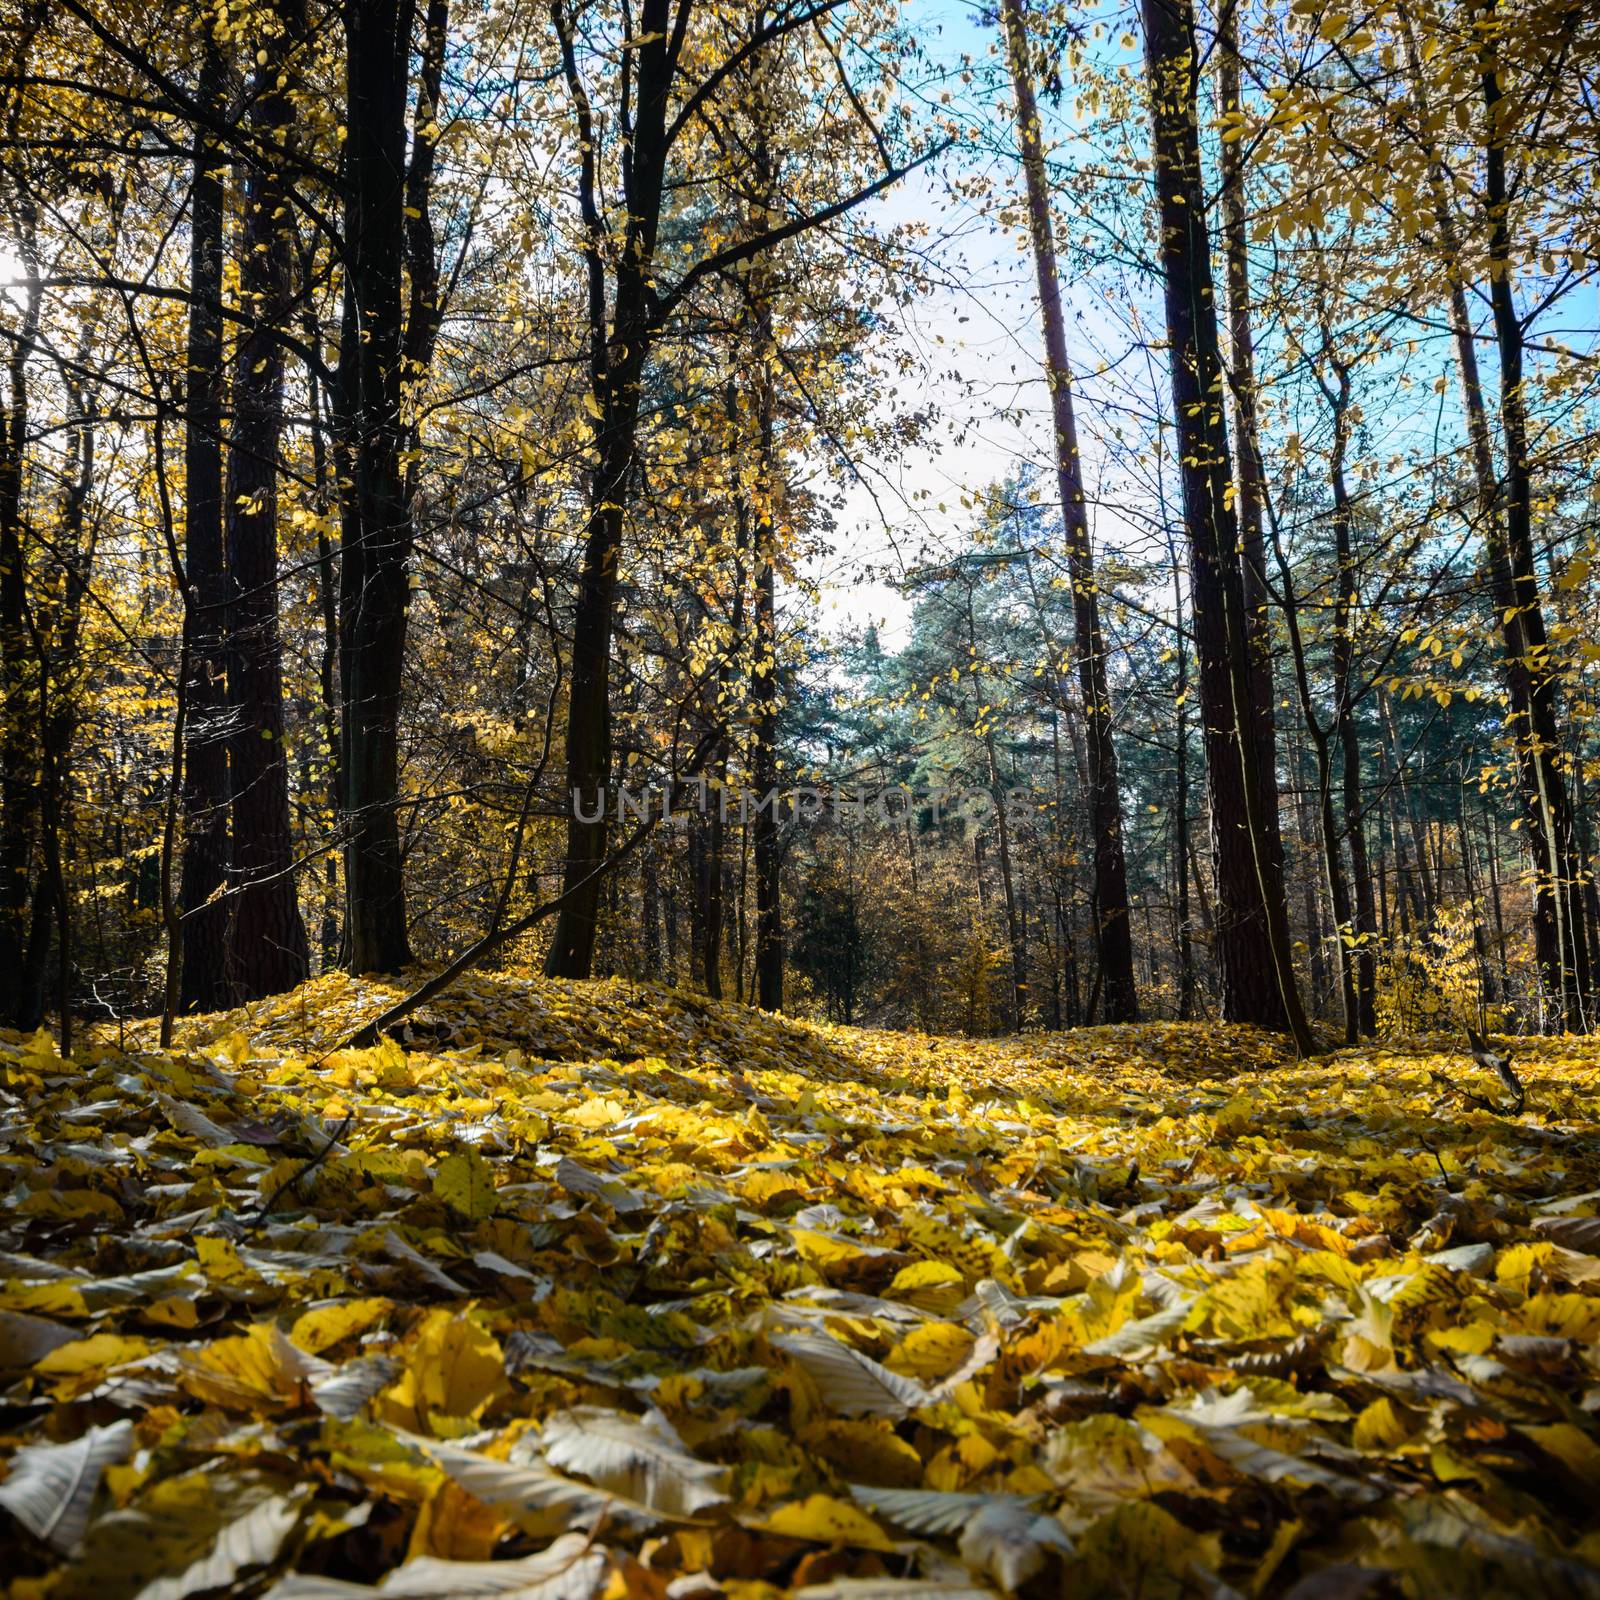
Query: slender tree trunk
x=1361, y=994
x=742, y=914
x=1480, y=941
x=764, y=693
x=1333, y=874
x=1113, y=933
x=1491, y=840
x=697, y=899
x=1418, y=899
x=329, y=936
x=1558, y=919
x=669, y=905
x=1316, y=935
x=35, y=970
x=1591, y=889
x=1383, y=881
x=711, y=865
x=1408, y=904
x=1019, y=985
x=1250, y=477
x=204, y=982
x=1505, y=513
x=267, y=950
x=1181, y=848
x=618, y=346
x=1252, y=932
x=716, y=865
x=374, y=581
x=650, y=917
x=19, y=756
x=1425, y=897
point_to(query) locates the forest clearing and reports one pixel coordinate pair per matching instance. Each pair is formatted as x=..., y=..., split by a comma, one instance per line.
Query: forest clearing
x=645, y=1296
x=798, y=799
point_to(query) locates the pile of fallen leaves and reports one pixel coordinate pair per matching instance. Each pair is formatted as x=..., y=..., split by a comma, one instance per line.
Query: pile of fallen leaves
x=599, y=1292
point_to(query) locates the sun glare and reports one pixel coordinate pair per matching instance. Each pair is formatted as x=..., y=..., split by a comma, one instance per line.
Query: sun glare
x=12, y=272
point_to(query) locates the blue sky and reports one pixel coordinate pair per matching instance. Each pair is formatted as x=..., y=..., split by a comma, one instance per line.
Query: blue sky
x=987, y=369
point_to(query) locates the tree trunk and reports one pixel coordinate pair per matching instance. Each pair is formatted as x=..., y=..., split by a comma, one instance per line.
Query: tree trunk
x=1186, y=984
x=1558, y=919
x=1505, y=513
x=19, y=757
x=1252, y=932
x=1487, y=989
x=712, y=928
x=650, y=918
x=1019, y=984
x=1113, y=933
x=204, y=982
x=1361, y=993
x=669, y=904
x=329, y=937
x=1316, y=936
x=764, y=761
x=1491, y=842
x=374, y=581
x=1251, y=477
x=616, y=365
x=267, y=950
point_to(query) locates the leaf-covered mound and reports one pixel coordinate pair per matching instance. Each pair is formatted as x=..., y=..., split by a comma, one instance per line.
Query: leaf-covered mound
x=600, y=1290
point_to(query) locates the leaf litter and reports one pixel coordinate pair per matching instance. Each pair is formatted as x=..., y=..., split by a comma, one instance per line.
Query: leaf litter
x=601, y=1290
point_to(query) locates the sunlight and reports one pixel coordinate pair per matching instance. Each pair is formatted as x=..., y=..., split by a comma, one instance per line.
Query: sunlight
x=12, y=274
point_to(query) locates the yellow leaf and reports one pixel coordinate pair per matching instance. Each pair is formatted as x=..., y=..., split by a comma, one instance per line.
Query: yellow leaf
x=1564, y=1316
x=324, y=1326
x=242, y=1373
x=930, y=1285
x=1380, y=1428
x=823, y=1250
x=465, y=1182
x=763, y=1187
x=866, y=1452
x=932, y=1351
x=455, y=1526
x=220, y=1261
x=1572, y=1447
x=1140, y=1549
x=823, y=1520
x=600, y=1112
x=97, y=1352
x=453, y=1369
x=70, y=1204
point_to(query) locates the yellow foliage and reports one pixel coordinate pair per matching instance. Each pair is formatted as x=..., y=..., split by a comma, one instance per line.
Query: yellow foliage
x=760, y=1299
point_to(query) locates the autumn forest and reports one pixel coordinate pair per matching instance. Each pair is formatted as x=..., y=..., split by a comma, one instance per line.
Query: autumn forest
x=799, y=798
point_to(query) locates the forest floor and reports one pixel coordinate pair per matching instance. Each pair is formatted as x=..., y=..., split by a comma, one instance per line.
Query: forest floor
x=602, y=1292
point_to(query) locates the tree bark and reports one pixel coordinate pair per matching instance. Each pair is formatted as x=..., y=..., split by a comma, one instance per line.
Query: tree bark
x=618, y=347
x=1558, y=916
x=374, y=577
x=1113, y=932
x=1252, y=931
x=267, y=950
x=650, y=918
x=1250, y=477
x=1505, y=514
x=1180, y=819
x=203, y=985
x=1361, y=933
x=19, y=756
x=764, y=693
